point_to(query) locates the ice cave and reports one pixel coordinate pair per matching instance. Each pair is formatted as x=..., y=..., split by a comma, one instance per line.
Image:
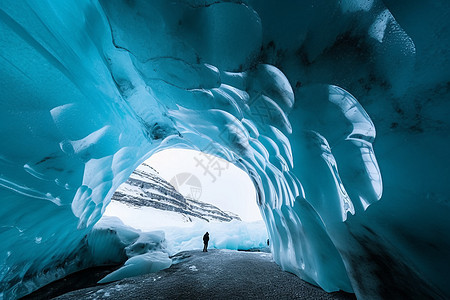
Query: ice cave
x=337, y=110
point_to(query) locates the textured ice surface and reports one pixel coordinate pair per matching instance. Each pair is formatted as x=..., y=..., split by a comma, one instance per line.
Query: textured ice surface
x=234, y=235
x=145, y=250
x=182, y=234
x=289, y=91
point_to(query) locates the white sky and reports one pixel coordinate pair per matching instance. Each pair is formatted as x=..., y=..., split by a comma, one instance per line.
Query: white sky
x=222, y=184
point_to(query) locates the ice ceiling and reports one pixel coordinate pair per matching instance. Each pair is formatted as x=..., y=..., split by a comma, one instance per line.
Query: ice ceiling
x=289, y=91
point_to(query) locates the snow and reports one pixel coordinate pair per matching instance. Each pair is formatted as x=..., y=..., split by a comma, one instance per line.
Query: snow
x=148, y=250
x=232, y=235
x=145, y=251
x=139, y=265
x=240, y=200
x=193, y=268
x=146, y=218
x=184, y=234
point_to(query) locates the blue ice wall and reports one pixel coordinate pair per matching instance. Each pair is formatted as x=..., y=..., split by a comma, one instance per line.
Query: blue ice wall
x=337, y=110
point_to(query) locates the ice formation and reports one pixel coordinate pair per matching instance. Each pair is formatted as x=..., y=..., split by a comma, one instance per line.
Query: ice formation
x=145, y=251
x=289, y=91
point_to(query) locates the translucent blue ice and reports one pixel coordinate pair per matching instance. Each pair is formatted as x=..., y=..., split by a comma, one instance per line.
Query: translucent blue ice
x=337, y=110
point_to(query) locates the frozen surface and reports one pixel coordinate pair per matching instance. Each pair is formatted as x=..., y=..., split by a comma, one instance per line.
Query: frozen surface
x=139, y=217
x=181, y=234
x=139, y=265
x=337, y=110
x=235, y=235
x=146, y=249
x=110, y=241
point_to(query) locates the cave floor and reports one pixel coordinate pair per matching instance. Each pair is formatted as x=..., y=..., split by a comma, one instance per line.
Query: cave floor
x=216, y=274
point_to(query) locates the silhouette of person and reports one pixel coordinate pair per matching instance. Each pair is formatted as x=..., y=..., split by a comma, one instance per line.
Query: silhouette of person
x=205, y=242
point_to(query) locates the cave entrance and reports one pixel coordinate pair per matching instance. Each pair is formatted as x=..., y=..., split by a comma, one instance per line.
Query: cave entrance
x=186, y=193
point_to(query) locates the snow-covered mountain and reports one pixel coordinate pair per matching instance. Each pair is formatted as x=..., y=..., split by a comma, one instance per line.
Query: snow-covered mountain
x=145, y=188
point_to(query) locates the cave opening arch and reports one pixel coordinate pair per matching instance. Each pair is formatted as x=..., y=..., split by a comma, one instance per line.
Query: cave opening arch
x=186, y=190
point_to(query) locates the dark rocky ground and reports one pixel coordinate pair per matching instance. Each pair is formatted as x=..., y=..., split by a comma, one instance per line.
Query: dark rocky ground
x=79, y=280
x=217, y=274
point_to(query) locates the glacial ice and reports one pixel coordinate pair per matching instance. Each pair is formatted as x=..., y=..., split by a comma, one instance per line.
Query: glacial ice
x=289, y=91
x=145, y=251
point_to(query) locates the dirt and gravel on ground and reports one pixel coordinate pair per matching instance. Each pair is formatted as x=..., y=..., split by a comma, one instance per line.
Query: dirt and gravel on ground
x=216, y=274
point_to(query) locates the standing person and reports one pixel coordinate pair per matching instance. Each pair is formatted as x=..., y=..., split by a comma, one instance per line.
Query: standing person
x=205, y=242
